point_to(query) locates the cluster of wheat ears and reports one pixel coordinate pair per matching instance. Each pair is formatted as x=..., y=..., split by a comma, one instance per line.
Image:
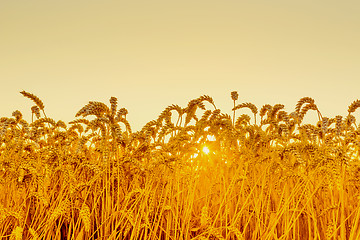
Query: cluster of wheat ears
x=266, y=175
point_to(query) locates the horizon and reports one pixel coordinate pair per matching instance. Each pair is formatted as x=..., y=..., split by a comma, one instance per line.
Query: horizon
x=310, y=117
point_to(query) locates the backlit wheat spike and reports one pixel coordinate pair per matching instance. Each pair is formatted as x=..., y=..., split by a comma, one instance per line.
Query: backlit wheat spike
x=34, y=98
x=92, y=167
x=105, y=157
x=237, y=232
x=93, y=108
x=283, y=116
x=226, y=120
x=164, y=115
x=243, y=119
x=98, y=123
x=206, y=98
x=201, y=105
x=61, y=124
x=338, y=124
x=215, y=114
x=40, y=195
x=4, y=124
x=350, y=119
x=21, y=175
x=113, y=105
x=60, y=210
x=152, y=204
x=329, y=230
x=325, y=124
x=177, y=108
x=264, y=109
x=82, y=142
x=167, y=111
x=274, y=110
x=17, y=233
x=122, y=112
x=18, y=215
x=353, y=106
x=205, y=116
x=251, y=106
x=190, y=114
x=303, y=101
x=116, y=132
x=234, y=95
x=284, y=128
x=193, y=104
x=35, y=110
x=81, y=120
x=40, y=121
x=73, y=127
x=305, y=109
x=85, y=216
x=204, y=217
x=309, y=130
x=34, y=234
x=18, y=115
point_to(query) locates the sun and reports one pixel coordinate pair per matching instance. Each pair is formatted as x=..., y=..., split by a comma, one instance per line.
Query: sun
x=206, y=150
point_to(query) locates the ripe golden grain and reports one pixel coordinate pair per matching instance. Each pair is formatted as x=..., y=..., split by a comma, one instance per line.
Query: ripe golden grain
x=85, y=216
x=279, y=178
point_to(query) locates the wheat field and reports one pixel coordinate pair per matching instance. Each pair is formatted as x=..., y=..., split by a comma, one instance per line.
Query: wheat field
x=192, y=173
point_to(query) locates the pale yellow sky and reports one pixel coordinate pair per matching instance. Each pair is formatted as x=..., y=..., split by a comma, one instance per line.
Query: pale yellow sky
x=151, y=54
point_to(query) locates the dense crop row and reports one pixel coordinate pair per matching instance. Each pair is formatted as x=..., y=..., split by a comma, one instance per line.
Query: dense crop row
x=192, y=173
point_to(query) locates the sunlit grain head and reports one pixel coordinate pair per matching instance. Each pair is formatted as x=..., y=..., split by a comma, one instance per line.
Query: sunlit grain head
x=194, y=156
x=211, y=138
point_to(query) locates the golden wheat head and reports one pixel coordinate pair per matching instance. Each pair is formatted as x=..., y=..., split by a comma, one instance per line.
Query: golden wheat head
x=34, y=98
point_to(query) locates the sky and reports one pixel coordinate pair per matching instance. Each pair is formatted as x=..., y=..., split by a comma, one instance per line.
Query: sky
x=152, y=54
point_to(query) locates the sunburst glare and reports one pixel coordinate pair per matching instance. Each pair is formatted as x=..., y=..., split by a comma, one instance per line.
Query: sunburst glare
x=206, y=150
